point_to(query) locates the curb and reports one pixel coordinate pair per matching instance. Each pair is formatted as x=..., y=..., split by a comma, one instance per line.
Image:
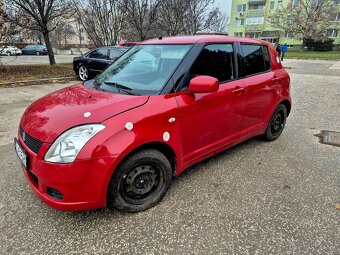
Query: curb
x=36, y=82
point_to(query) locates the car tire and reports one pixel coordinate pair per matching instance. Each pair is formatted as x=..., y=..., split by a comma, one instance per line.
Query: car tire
x=140, y=181
x=276, y=123
x=83, y=73
x=8, y=53
x=37, y=53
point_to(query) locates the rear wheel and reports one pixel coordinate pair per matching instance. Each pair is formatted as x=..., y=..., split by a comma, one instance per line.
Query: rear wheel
x=83, y=73
x=277, y=123
x=37, y=53
x=8, y=53
x=140, y=181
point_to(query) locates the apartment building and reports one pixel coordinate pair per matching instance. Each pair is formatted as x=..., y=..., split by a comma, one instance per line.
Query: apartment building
x=249, y=18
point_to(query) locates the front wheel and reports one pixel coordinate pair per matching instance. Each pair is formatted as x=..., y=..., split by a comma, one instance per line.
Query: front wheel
x=37, y=53
x=140, y=181
x=83, y=73
x=9, y=53
x=277, y=123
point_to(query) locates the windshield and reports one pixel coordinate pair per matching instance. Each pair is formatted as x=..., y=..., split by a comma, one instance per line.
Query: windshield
x=144, y=69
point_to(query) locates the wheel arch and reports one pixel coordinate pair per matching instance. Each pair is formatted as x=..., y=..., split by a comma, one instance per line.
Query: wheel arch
x=164, y=148
x=288, y=105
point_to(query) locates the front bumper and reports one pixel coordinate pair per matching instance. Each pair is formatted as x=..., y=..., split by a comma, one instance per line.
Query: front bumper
x=81, y=185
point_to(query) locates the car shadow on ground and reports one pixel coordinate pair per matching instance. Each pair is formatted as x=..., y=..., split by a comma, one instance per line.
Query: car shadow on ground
x=176, y=186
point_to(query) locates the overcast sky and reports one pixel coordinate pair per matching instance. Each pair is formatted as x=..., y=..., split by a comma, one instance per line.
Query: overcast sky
x=225, y=5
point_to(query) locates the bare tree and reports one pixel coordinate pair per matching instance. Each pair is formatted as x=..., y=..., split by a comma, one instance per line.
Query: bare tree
x=305, y=19
x=176, y=17
x=62, y=32
x=102, y=20
x=217, y=21
x=41, y=16
x=171, y=17
x=141, y=16
x=196, y=16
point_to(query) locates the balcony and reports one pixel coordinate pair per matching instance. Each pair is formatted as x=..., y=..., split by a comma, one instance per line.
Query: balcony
x=256, y=1
x=254, y=28
x=255, y=13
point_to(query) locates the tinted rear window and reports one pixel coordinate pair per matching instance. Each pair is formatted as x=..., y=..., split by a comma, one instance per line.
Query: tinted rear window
x=256, y=58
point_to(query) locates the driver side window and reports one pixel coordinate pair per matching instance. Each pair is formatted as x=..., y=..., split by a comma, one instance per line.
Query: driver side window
x=216, y=60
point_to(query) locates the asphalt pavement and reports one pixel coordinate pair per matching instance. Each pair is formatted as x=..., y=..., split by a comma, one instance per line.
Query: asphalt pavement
x=256, y=198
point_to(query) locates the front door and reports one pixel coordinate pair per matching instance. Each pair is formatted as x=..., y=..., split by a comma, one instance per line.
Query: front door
x=208, y=119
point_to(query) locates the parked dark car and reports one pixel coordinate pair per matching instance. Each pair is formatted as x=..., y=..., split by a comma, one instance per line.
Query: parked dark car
x=94, y=62
x=35, y=49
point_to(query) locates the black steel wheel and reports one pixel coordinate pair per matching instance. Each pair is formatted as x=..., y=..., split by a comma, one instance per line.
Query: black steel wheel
x=277, y=123
x=140, y=181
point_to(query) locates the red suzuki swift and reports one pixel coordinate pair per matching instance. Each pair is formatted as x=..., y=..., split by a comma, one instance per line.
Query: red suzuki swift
x=163, y=106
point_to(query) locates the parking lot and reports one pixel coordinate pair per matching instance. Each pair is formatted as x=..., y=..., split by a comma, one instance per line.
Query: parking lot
x=34, y=60
x=255, y=198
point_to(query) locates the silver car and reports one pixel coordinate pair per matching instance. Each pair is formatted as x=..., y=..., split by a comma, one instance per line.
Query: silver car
x=9, y=51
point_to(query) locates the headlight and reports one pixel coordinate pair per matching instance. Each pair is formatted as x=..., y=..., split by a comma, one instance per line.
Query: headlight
x=67, y=146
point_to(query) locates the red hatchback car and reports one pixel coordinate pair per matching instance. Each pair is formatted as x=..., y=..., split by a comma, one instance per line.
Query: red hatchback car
x=163, y=106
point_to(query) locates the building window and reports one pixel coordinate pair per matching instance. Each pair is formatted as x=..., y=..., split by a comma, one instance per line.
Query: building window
x=253, y=35
x=279, y=4
x=288, y=34
x=272, y=5
x=241, y=8
x=255, y=20
x=239, y=22
x=256, y=6
x=238, y=34
x=332, y=33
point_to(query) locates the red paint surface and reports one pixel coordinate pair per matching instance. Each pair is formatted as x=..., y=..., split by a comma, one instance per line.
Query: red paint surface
x=205, y=123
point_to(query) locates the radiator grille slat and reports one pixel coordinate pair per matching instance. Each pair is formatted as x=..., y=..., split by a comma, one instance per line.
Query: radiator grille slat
x=31, y=142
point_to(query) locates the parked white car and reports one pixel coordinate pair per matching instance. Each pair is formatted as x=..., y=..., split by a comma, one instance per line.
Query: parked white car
x=9, y=51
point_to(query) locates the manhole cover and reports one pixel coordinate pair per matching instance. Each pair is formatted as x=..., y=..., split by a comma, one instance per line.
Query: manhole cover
x=329, y=137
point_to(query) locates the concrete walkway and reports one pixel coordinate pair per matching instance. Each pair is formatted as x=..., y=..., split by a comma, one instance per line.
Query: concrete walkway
x=336, y=65
x=13, y=103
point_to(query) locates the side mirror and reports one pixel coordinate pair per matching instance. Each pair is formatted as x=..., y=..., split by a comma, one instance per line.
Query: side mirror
x=203, y=84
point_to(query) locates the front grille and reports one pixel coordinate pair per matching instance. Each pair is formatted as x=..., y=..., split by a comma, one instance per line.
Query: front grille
x=31, y=142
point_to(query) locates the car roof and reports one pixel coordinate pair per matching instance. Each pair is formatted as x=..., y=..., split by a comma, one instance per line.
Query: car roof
x=113, y=47
x=202, y=39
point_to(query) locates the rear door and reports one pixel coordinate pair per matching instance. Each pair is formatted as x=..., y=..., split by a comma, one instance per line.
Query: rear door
x=261, y=86
x=208, y=119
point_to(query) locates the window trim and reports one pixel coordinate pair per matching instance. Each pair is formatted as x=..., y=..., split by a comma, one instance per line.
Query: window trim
x=234, y=60
x=243, y=75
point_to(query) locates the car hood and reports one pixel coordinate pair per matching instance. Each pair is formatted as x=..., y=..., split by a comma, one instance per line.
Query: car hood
x=51, y=115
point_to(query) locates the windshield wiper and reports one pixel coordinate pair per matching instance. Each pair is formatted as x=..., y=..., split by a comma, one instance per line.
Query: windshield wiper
x=120, y=87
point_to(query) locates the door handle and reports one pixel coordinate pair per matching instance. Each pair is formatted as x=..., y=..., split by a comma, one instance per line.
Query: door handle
x=238, y=90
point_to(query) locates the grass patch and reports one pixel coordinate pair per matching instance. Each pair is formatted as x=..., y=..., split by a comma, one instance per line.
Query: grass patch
x=326, y=55
x=34, y=72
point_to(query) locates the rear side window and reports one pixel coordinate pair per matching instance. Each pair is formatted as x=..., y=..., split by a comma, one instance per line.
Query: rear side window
x=256, y=58
x=99, y=54
x=216, y=60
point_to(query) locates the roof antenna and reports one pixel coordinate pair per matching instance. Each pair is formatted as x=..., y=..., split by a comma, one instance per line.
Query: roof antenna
x=160, y=38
